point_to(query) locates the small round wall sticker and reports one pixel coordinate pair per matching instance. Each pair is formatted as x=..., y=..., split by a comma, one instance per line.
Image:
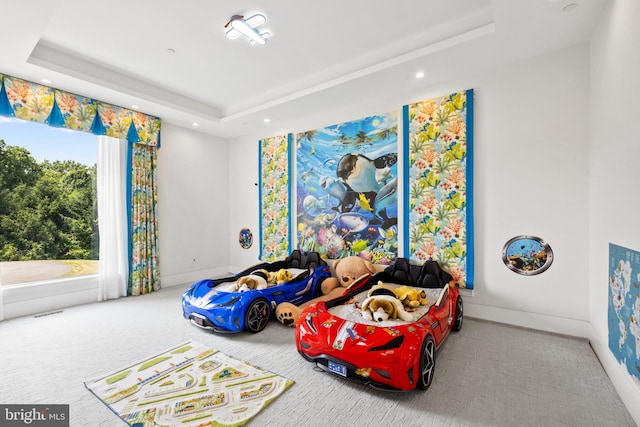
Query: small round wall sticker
x=245, y=238
x=527, y=255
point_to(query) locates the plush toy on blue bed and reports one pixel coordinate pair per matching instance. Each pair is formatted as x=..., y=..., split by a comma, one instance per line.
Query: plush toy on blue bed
x=282, y=276
x=258, y=279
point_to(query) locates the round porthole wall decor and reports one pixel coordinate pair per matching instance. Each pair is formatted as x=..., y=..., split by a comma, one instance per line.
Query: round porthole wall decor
x=245, y=238
x=527, y=255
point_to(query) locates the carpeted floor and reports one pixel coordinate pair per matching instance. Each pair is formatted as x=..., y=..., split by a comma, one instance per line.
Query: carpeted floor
x=488, y=374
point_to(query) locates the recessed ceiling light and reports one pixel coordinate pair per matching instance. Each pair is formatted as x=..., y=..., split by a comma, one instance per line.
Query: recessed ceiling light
x=45, y=81
x=419, y=75
x=267, y=120
x=171, y=50
x=195, y=125
x=570, y=7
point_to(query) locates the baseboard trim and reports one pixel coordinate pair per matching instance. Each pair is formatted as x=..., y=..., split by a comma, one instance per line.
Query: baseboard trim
x=542, y=322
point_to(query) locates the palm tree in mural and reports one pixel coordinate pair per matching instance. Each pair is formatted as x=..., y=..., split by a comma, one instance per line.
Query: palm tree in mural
x=343, y=139
x=385, y=134
x=362, y=138
x=308, y=135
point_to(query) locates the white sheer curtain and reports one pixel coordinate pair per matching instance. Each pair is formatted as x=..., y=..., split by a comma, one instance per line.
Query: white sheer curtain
x=112, y=218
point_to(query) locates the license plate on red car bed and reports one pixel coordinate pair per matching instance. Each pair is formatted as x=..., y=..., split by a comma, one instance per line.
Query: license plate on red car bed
x=337, y=368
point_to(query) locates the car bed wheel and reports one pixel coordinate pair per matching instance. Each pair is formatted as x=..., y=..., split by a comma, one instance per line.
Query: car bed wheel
x=457, y=325
x=257, y=315
x=427, y=363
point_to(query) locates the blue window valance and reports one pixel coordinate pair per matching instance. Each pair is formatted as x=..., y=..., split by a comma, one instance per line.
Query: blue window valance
x=39, y=103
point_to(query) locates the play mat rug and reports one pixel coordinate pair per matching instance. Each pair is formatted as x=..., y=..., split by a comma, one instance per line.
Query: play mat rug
x=188, y=385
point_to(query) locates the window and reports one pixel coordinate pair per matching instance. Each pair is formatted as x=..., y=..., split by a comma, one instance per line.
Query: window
x=48, y=209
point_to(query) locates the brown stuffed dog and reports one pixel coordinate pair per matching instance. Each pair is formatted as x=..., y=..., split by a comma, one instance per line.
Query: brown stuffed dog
x=258, y=279
x=347, y=270
x=382, y=304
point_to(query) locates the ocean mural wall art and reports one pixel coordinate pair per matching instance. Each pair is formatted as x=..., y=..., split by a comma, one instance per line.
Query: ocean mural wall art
x=336, y=190
x=346, y=189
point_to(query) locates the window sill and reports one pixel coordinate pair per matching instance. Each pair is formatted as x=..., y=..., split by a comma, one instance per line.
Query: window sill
x=39, y=297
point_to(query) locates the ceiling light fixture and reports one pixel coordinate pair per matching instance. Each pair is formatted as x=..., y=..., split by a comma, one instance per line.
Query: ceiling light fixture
x=570, y=7
x=238, y=25
x=267, y=120
x=419, y=75
x=47, y=81
x=195, y=125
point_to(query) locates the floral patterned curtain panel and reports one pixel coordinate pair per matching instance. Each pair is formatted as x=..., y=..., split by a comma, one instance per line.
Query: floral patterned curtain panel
x=35, y=102
x=144, y=276
x=275, y=191
x=38, y=103
x=438, y=136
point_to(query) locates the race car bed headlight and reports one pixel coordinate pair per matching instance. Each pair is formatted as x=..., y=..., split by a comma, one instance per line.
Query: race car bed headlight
x=232, y=301
x=309, y=321
x=394, y=343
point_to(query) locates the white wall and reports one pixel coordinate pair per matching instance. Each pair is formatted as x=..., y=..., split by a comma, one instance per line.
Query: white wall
x=243, y=201
x=614, y=172
x=193, y=205
x=531, y=177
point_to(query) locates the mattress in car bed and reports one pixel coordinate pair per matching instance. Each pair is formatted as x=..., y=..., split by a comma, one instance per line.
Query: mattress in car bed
x=231, y=286
x=351, y=309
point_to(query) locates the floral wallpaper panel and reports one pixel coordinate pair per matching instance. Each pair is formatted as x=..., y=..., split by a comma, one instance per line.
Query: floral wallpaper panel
x=275, y=190
x=439, y=183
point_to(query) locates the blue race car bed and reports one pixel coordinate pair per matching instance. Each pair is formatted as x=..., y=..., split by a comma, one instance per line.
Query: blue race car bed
x=223, y=305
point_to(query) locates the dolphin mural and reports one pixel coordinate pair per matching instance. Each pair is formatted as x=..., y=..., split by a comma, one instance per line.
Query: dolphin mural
x=362, y=174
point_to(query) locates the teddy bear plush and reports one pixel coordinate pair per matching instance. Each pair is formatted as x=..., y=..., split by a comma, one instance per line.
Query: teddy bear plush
x=346, y=271
x=382, y=304
x=411, y=297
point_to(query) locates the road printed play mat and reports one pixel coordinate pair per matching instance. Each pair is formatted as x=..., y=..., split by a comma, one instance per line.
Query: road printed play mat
x=188, y=385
